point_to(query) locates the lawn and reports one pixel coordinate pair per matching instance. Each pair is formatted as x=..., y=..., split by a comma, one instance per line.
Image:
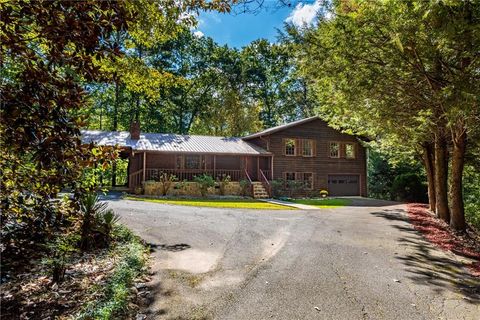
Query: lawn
x=323, y=203
x=217, y=203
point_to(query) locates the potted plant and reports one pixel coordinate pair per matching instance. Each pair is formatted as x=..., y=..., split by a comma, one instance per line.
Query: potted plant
x=323, y=193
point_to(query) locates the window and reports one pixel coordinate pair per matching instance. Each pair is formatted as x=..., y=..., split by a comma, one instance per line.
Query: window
x=192, y=162
x=290, y=147
x=308, y=180
x=289, y=176
x=179, y=162
x=307, y=148
x=334, y=150
x=349, y=151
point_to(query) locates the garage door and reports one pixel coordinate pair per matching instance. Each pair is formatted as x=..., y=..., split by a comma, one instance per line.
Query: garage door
x=343, y=185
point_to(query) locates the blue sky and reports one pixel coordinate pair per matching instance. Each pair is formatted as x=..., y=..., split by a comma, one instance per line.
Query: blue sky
x=238, y=30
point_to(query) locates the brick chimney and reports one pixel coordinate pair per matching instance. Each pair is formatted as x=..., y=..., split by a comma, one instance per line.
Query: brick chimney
x=135, y=130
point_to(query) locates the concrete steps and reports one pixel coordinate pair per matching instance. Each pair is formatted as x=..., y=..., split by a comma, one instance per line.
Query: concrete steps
x=259, y=191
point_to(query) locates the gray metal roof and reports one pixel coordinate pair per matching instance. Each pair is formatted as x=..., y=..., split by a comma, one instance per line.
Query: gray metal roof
x=173, y=142
x=280, y=127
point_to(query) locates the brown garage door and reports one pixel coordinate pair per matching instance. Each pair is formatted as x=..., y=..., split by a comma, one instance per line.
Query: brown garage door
x=343, y=185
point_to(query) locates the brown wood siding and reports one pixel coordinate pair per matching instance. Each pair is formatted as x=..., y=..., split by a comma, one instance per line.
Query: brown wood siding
x=320, y=164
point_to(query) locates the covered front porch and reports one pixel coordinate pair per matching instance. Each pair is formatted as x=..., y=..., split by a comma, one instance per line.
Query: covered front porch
x=149, y=165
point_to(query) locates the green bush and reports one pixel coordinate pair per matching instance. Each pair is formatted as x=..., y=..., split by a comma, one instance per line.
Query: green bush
x=223, y=182
x=278, y=188
x=244, y=187
x=60, y=254
x=409, y=187
x=204, y=181
x=471, y=180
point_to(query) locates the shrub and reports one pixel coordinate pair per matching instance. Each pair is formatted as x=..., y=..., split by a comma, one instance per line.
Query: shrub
x=244, y=187
x=97, y=222
x=278, y=187
x=60, y=255
x=166, y=180
x=204, y=182
x=294, y=186
x=223, y=182
x=409, y=187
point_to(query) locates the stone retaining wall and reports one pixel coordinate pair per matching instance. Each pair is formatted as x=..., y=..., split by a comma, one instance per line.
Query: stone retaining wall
x=154, y=188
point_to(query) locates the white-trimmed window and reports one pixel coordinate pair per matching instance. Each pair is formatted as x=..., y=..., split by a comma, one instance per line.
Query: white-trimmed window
x=308, y=180
x=307, y=148
x=334, y=150
x=350, y=150
x=289, y=176
x=192, y=162
x=290, y=147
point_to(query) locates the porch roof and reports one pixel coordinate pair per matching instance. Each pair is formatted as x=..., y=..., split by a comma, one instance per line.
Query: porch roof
x=165, y=142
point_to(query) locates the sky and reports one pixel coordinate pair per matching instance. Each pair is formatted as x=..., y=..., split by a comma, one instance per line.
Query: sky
x=238, y=30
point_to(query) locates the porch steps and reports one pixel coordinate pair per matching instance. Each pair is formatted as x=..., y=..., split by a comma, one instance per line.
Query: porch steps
x=259, y=191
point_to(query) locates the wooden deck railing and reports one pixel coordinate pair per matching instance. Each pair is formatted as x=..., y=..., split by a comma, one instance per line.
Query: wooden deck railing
x=189, y=174
x=135, y=179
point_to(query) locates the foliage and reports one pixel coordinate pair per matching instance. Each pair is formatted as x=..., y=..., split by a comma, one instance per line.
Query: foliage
x=217, y=203
x=377, y=64
x=114, y=297
x=204, y=181
x=166, y=180
x=386, y=180
x=409, y=187
x=223, y=182
x=244, y=187
x=323, y=193
x=97, y=222
x=278, y=188
x=472, y=196
x=294, y=186
x=60, y=255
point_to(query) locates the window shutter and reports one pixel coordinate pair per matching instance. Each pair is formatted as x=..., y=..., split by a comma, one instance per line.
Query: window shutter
x=314, y=147
x=284, y=145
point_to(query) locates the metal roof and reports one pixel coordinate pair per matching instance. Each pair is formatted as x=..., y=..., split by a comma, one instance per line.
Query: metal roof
x=280, y=127
x=173, y=142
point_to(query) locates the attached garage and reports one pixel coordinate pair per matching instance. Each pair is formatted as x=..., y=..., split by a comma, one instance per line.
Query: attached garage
x=344, y=185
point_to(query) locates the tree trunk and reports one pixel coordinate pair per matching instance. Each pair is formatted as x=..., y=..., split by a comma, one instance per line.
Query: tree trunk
x=429, y=163
x=457, y=219
x=115, y=128
x=441, y=176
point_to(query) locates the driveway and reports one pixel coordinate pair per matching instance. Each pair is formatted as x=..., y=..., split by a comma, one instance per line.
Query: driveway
x=364, y=261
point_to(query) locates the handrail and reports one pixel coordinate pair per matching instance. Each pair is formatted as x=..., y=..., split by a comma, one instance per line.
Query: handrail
x=248, y=176
x=265, y=183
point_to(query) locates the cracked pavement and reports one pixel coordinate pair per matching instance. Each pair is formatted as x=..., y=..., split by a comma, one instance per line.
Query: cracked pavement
x=364, y=261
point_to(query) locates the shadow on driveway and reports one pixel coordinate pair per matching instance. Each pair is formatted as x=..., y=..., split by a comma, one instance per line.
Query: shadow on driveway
x=427, y=267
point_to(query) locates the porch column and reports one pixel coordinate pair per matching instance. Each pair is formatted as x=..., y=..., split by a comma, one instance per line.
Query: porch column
x=271, y=167
x=258, y=168
x=214, y=165
x=144, y=165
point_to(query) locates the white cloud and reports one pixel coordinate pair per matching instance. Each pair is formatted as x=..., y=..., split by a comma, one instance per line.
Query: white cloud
x=304, y=14
x=198, y=34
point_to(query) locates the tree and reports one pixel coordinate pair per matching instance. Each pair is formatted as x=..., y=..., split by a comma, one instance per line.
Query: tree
x=396, y=71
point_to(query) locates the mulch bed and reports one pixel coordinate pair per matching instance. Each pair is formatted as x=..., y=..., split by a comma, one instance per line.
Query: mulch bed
x=441, y=235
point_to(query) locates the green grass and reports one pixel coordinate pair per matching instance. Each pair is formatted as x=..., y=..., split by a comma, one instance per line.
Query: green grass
x=131, y=258
x=217, y=203
x=323, y=203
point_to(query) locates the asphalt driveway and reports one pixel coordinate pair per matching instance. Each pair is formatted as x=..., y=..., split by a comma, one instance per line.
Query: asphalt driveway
x=359, y=262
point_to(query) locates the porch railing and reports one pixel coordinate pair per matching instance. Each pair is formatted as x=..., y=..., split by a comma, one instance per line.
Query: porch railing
x=189, y=174
x=135, y=179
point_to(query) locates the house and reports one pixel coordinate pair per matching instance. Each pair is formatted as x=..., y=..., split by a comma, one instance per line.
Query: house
x=306, y=150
